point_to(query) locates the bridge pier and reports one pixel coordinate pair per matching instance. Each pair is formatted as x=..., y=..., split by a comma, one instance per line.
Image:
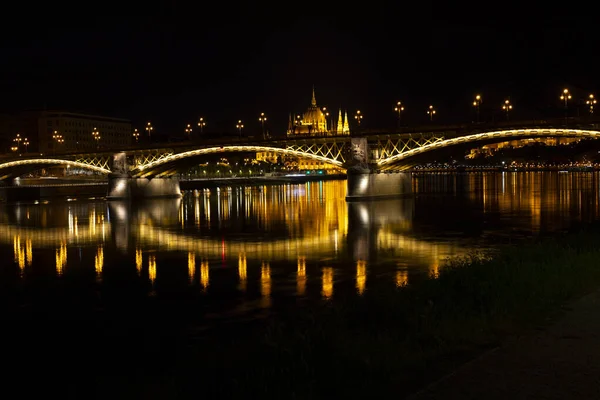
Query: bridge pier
x=377, y=186
x=125, y=188
x=366, y=183
x=122, y=186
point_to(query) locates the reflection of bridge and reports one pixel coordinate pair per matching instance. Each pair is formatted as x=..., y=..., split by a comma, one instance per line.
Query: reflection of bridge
x=378, y=229
x=370, y=153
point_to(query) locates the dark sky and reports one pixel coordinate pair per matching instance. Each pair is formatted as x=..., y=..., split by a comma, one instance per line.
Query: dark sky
x=178, y=66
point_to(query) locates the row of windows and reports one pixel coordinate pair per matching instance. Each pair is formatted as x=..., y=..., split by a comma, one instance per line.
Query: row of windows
x=99, y=125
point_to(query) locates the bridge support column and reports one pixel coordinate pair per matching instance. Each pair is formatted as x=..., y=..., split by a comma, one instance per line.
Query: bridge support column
x=375, y=186
x=121, y=186
x=365, y=183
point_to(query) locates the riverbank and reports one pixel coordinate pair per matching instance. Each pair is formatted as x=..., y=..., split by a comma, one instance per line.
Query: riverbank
x=394, y=341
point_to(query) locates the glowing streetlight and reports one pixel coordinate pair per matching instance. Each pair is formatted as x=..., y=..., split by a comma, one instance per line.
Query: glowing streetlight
x=26, y=144
x=188, y=130
x=136, y=135
x=327, y=122
x=149, y=129
x=239, y=126
x=399, y=108
x=201, y=124
x=96, y=136
x=431, y=112
x=477, y=105
x=58, y=139
x=18, y=139
x=591, y=102
x=507, y=107
x=358, y=117
x=566, y=96
x=262, y=120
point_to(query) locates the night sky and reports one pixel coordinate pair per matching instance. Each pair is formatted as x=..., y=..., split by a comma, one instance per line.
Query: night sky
x=173, y=68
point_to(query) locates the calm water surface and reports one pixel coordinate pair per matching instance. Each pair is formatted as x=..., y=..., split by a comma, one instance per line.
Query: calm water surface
x=243, y=251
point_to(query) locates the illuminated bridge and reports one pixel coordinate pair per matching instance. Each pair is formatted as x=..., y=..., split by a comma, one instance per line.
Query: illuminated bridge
x=363, y=154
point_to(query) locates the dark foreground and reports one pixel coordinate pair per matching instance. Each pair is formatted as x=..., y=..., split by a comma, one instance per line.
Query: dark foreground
x=342, y=348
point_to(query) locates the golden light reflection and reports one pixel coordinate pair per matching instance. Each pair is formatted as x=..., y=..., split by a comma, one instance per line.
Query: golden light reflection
x=19, y=252
x=191, y=265
x=28, y=252
x=99, y=261
x=139, y=261
x=434, y=269
x=301, y=276
x=152, y=268
x=265, y=284
x=204, y=278
x=242, y=270
x=361, y=276
x=401, y=278
x=197, y=211
x=327, y=291
x=61, y=258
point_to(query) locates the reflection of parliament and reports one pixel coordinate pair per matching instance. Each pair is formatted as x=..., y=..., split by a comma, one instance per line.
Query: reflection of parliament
x=312, y=123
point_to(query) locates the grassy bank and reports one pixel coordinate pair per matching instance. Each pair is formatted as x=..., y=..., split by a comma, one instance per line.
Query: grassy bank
x=393, y=341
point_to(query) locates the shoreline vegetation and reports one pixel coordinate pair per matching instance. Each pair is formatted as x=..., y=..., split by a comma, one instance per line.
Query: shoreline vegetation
x=394, y=341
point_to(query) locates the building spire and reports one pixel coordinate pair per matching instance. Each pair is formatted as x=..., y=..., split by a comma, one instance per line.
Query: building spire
x=346, y=128
x=340, y=123
x=314, y=100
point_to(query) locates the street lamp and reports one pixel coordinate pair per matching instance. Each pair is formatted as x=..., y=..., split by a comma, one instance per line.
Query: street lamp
x=591, y=101
x=149, y=129
x=201, y=124
x=96, y=136
x=566, y=96
x=507, y=107
x=18, y=139
x=358, y=117
x=262, y=120
x=58, y=139
x=477, y=105
x=136, y=135
x=239, y=127
x=399, y=108
x=188, y=130
x=431, y=112
x=26, y=144
x=327, y=122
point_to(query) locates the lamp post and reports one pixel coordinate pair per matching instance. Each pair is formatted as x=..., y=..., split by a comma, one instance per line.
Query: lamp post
x=591, y=102
x=327, y=122
x=239, y=127
x=477, y=105
x=507, y=107
x=136, y=135
x=566, y=96
x=26, y=144
x=399, y=108
x=18, y=139
x=262, y=120
x=188, y=130
x=358, y=117
x=58, y=139
x=96, y=136
x=431, y=112
x=201, y=124
x=149, y=129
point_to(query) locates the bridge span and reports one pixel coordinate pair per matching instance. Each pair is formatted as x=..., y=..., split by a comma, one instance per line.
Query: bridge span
x=150, y=172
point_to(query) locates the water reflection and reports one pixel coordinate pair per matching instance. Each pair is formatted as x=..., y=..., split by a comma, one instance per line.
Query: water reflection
x=327, y=282
x=247, y=233
x=301, y=276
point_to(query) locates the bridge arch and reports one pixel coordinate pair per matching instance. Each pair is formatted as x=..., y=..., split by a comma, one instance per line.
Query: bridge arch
x=146, y=169
x=490, y=137
x=34, y=163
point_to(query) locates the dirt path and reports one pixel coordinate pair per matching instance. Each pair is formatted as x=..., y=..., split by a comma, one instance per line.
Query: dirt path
x=559, y=362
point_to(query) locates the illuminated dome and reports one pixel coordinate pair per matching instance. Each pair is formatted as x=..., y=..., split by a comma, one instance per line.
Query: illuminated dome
x=313, y=116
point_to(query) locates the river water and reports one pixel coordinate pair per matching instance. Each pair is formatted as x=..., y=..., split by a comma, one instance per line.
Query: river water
x=241, y=252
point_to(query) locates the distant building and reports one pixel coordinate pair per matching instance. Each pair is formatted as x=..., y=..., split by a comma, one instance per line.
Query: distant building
x=314, y=122
x=49, y=131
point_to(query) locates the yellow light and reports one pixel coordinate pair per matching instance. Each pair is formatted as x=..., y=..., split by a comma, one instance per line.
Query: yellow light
x=327, y=282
